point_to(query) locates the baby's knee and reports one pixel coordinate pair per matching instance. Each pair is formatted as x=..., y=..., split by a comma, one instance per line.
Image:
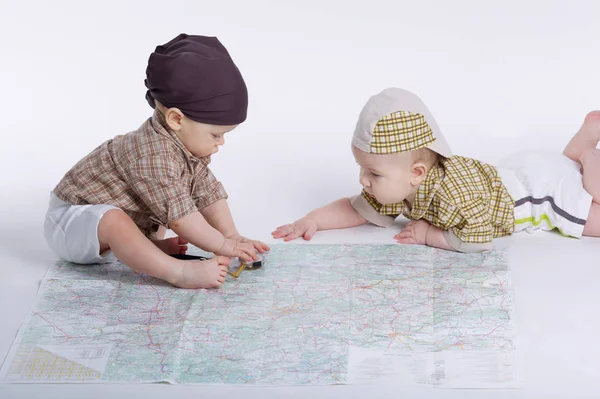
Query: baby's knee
x=114, y=219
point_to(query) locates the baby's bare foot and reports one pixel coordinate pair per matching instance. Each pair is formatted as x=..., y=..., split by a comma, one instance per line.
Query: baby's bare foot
x=203, y=274
x=172, y=246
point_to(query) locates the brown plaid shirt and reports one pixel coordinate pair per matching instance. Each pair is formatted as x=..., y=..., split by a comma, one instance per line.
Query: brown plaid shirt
x=147, y=173
x=461, y=195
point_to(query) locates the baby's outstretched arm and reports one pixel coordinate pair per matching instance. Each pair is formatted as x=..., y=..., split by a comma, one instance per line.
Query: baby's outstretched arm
x=219, y=216
x=195, y=229
x=339, y=214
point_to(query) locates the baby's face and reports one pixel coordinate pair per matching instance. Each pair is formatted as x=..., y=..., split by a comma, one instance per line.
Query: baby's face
x=202, y=139
x=386, y=177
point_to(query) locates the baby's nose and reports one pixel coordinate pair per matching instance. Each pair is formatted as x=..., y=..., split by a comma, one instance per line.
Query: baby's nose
x=363, y=181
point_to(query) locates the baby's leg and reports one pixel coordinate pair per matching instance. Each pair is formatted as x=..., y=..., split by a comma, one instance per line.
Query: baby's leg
x=592, y=224
x=587, y=137
x=116, y=231
x=582, y=149
x=590, y=162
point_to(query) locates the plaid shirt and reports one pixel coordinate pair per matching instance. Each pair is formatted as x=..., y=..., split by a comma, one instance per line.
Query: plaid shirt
x=147, y=173
x=463, y=196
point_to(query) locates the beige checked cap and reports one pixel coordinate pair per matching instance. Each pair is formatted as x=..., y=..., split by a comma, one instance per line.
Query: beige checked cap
x=396, y=120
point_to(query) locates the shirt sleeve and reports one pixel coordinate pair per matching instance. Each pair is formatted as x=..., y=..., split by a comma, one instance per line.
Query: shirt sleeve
x=369, y=208
x=466, y=247
x=207, y=189
x=156, y=180
x=474, y=224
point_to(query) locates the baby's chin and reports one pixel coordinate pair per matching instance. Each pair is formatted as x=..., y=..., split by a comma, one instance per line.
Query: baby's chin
x=207, y=154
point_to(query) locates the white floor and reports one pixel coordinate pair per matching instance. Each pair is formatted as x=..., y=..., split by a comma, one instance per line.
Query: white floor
x=499, y=76
x=556, y=291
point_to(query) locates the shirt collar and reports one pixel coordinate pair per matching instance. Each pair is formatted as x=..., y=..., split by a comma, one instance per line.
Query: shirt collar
x=427, y=190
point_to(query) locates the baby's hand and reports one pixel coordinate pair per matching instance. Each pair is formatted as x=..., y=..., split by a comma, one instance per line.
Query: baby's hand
x=303, y=227
x=258, y=245
x=415, y=232
x=238, y=249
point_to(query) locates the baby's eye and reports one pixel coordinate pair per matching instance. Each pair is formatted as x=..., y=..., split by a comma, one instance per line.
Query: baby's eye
x=375, y=174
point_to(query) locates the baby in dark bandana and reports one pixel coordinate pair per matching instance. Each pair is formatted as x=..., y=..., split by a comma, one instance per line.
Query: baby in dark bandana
x=119, y=200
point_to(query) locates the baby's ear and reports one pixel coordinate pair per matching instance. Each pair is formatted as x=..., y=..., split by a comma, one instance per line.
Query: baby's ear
x=174, y=118
x=418, y=173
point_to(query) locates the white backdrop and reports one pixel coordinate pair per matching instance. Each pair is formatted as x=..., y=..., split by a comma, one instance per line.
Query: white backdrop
x=498, y=76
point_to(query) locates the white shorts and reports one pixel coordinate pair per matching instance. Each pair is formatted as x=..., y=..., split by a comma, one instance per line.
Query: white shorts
x=548, y=191
x=71, y=231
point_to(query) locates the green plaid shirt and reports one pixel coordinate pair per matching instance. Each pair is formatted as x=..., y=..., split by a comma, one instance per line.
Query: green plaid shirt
x=463, y=196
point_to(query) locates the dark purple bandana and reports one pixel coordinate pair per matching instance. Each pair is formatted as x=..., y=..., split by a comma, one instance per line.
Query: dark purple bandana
x=197, y=75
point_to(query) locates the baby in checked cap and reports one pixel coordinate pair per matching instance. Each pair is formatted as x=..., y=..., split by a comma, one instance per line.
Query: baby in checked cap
x=120, y=199
x=453, y=202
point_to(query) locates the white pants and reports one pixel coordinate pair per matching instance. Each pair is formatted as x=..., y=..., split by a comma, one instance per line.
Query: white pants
x=548, y=191
x=71, y=231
